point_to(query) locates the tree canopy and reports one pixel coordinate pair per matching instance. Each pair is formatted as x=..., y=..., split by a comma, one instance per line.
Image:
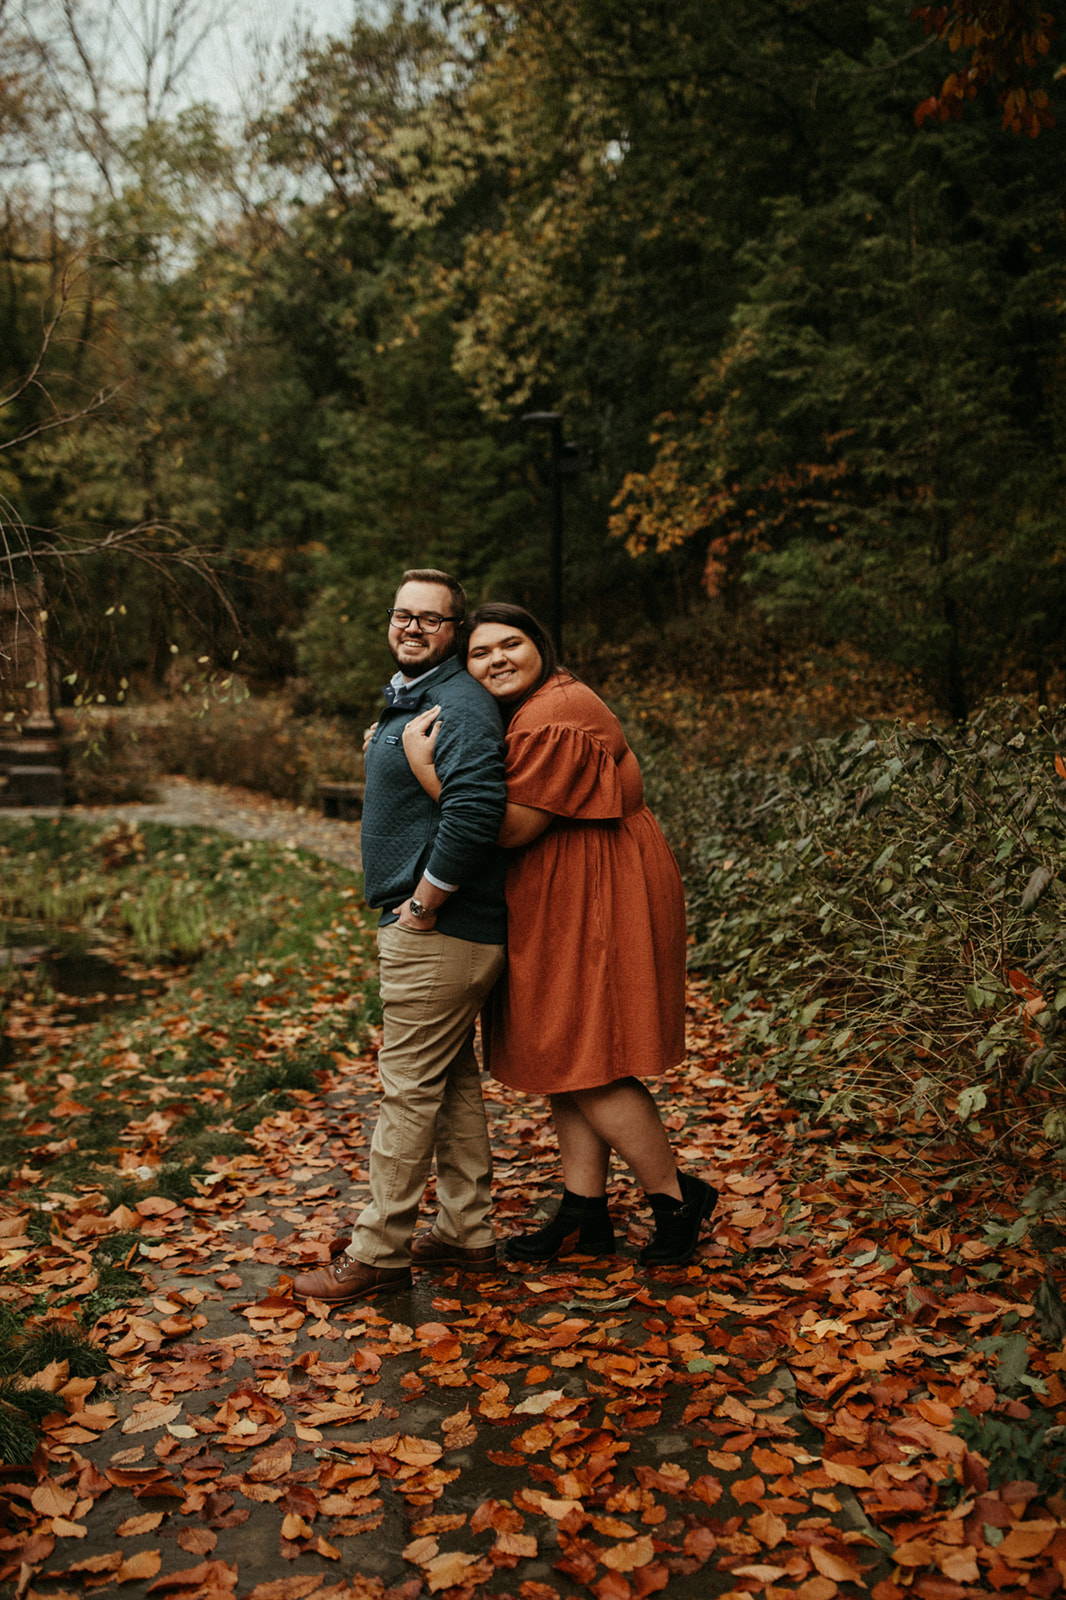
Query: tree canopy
x=791, y=270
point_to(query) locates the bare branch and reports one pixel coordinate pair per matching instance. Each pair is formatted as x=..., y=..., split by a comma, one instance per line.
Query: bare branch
x=164, y=549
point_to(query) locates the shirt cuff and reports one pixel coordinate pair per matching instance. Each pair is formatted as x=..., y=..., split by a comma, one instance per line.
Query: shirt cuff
x=449, y=888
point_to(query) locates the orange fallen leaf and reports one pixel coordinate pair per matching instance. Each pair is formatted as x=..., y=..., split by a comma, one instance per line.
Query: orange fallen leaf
x=51, y=1500
x=958, y=1564
x=64, y=1529
x=421, y=1550
x=149, y=1414
x=448, y=1571
x=936, y=1412
x=197, y=1541
x=844, y=1472
x=627, y=1557
x=293, y=1526
x=207, y=1581
x=834, y=1566
x=1027, y=1539
x=747, y=1491
x=820, y=1589
x=516, y=1544
x=143, y=1564
x=768, y=1528
x=913, y=1553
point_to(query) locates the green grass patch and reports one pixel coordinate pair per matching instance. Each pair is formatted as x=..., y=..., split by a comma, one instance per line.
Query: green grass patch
x=27, y=1347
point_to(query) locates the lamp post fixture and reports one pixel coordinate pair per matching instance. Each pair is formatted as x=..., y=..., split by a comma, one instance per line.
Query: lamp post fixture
x=553, y=420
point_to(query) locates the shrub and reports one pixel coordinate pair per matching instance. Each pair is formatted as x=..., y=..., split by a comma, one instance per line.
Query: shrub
x=257, y=743
x=1030, y=1449
x=885, y=911
x=109, y=759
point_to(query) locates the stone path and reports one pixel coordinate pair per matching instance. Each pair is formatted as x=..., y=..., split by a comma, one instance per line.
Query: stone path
x=183, y=802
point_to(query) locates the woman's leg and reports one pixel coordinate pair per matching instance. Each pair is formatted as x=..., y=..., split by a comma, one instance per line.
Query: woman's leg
x=585, y=1155
x=626, y=1117
x=622, y=1116
x=590, y=1123
x=581, y=1222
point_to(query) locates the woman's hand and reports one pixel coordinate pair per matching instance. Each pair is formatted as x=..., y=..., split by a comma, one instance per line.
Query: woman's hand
x=419, y=744
x=368, y=734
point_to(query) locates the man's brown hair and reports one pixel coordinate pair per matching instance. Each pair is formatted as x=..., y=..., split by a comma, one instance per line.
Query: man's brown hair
x=445, y=579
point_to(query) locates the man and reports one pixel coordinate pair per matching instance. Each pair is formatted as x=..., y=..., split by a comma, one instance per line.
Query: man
x=435, y=870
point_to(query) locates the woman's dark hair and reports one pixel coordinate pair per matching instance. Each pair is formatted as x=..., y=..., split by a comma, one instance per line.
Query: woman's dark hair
x=523, y=621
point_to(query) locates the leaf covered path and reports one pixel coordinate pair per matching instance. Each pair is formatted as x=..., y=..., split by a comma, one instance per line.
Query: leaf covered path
x=776, y=1419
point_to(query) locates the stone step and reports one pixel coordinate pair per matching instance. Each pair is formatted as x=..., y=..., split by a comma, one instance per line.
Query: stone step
x=33, y=786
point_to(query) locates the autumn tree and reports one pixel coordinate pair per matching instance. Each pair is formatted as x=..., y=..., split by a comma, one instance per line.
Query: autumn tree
x=1003, y=47
x=880, y=429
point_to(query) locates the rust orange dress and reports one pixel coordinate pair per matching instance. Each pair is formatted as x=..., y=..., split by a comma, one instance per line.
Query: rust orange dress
x=594, y=987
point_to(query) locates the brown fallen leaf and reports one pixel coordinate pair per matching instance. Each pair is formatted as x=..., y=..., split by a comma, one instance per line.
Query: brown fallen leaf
x=834, y=1566
x=450, y=1570
x=149, y=1414
x=197, y=1541
x=146, y=1522
x=143, y=1564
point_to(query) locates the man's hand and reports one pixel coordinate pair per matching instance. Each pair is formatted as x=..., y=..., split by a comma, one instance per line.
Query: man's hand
x=407, y=919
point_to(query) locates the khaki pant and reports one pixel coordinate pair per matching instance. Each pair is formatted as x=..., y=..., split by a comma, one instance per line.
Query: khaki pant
x=432, y=988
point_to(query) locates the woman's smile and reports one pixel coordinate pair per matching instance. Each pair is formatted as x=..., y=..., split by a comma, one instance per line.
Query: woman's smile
x=504, y=659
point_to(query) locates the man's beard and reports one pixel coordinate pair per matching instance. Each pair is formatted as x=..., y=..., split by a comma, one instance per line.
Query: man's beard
x=437, y=650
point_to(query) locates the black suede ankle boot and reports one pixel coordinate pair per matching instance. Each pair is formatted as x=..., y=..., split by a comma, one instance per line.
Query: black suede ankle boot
x=581, y=1226
x=678, y=1222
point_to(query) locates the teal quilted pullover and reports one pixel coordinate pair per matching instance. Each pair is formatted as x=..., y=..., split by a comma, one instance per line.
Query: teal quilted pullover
x=404, y=832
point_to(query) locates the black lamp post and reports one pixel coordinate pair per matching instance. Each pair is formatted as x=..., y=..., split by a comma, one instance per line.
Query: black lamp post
x=554, y=421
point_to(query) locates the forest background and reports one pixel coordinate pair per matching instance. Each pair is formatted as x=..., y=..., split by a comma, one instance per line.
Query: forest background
x=792, y=272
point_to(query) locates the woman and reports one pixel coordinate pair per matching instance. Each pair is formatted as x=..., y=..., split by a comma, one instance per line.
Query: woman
x=592, y=999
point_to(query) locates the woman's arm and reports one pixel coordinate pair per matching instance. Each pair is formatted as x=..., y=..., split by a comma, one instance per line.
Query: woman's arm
x=521, y=824
x=419, y=744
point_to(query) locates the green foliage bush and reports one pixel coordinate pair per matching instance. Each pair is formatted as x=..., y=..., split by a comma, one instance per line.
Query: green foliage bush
x=1030, y=1449
x=886, y=912
x=340, y=645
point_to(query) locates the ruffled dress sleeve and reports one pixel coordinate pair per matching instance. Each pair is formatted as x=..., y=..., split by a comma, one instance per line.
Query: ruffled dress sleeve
x=564, y=770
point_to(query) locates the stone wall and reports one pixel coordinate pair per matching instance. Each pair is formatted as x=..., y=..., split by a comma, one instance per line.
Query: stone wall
x=31, y=762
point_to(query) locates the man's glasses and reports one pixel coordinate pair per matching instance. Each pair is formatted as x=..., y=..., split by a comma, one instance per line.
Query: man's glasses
x=428, y=621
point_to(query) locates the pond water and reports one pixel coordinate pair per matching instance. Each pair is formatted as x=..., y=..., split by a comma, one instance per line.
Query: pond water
x=69, y=965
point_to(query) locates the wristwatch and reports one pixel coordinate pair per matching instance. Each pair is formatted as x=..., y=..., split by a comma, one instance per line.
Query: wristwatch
x=417, y=909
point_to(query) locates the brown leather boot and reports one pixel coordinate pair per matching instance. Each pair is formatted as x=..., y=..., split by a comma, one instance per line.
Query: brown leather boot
x=428, y=1249
x=346, y=1280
